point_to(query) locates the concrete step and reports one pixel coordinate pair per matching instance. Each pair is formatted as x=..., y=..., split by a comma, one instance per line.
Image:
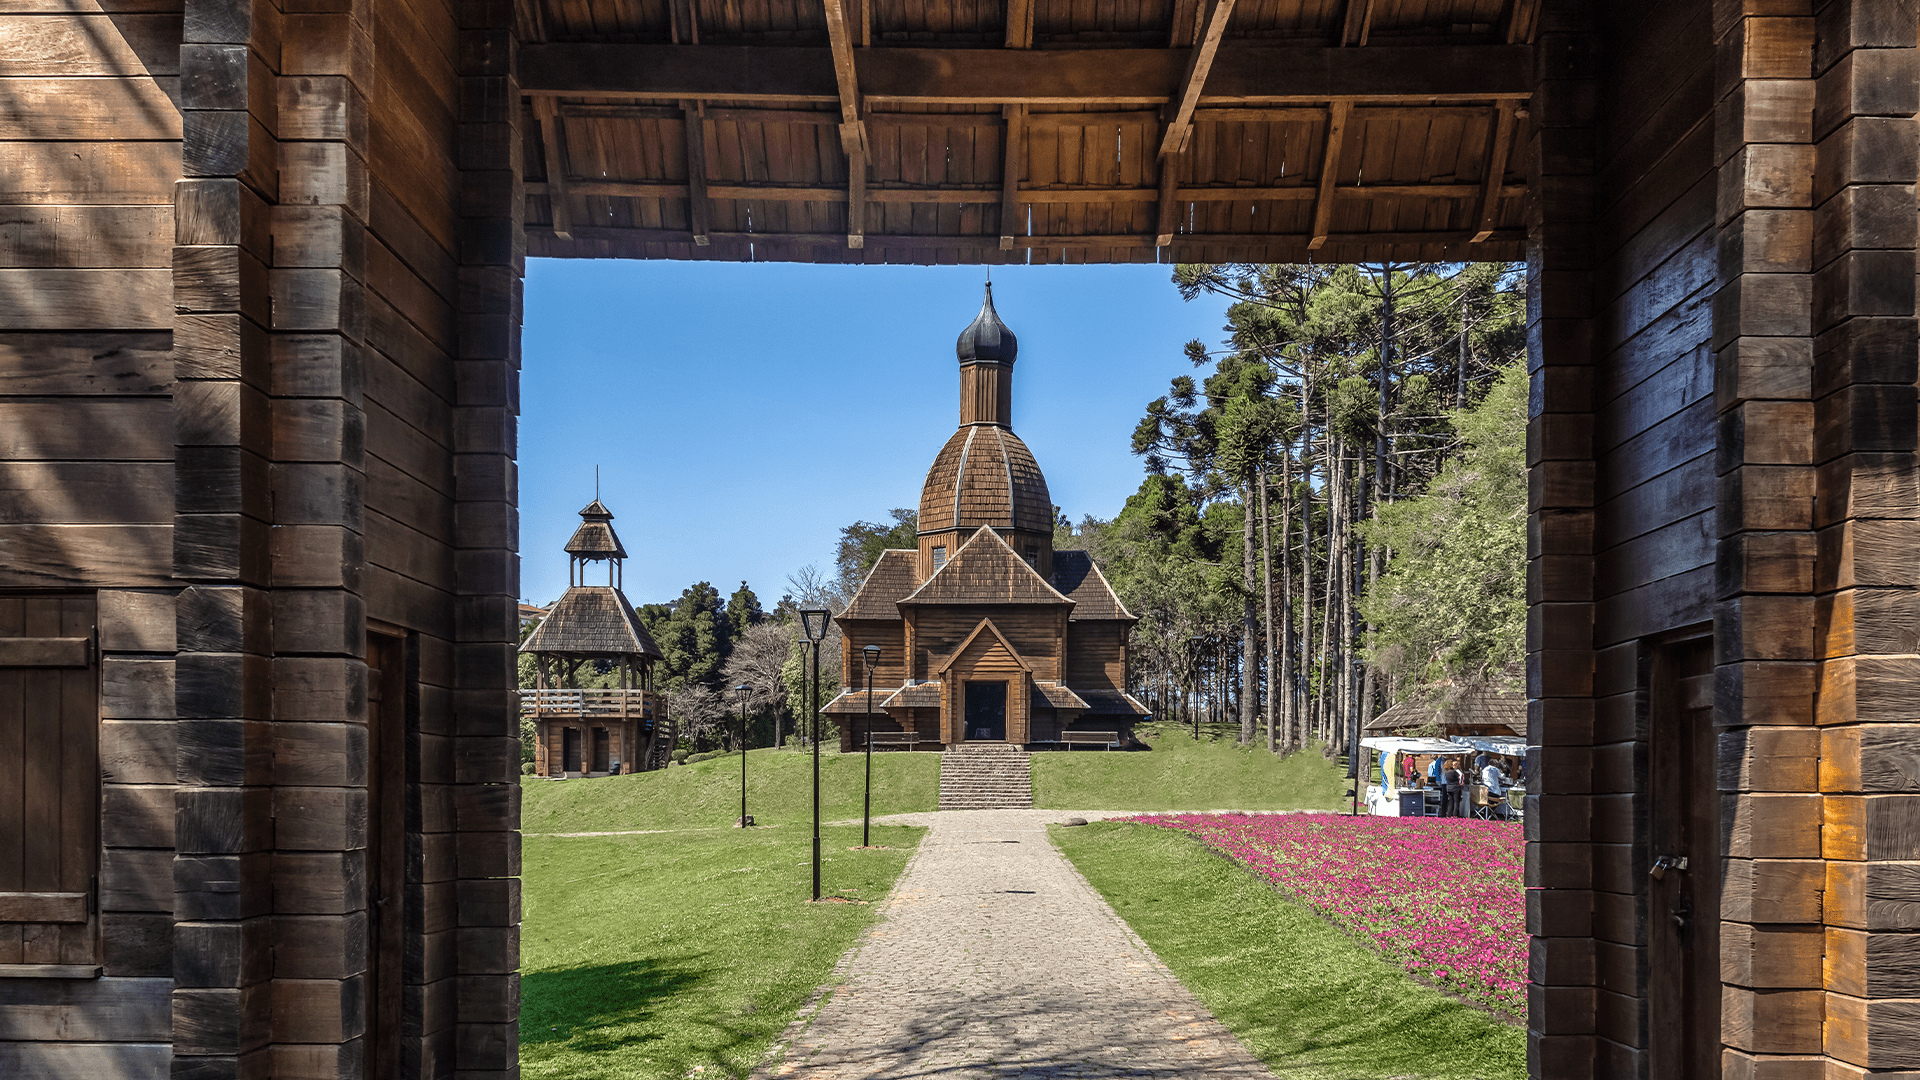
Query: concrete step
x=985, y=777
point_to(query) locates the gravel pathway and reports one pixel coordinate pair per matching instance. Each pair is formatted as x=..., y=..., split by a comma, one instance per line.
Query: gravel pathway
x=994, y=960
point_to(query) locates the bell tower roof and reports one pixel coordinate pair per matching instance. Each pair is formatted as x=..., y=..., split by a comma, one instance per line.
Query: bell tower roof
x=986, y=339
x=595, y=539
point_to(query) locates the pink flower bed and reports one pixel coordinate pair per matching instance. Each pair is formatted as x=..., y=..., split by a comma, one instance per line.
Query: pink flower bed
x=1444, y=897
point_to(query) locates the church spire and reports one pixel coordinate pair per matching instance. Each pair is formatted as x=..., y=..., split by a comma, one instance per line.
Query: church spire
x=987, y=349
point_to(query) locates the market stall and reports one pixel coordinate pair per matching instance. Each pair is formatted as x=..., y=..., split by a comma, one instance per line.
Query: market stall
x=1396, y=772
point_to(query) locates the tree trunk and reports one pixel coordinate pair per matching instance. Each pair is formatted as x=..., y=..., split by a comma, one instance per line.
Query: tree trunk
x=1266, y=577
x=1308, y=713
x=1249, y=624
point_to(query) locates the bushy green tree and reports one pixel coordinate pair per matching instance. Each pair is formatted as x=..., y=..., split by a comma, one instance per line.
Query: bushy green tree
x=862, y=542
x=1452, y=603
x=693, y=635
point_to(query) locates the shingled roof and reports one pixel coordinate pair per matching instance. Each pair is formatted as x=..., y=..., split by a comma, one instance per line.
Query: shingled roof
x=1076, y=576
x=986, y=571
x=1475, y=706
x=595, y=538
x=592, y=620
x=892, y=578
x=1112, y=703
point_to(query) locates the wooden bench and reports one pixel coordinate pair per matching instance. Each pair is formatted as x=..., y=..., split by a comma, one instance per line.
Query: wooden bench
x=905, y=739
x=1089, y=738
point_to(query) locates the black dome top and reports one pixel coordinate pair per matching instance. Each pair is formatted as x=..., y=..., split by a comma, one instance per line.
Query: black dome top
x=987, y=338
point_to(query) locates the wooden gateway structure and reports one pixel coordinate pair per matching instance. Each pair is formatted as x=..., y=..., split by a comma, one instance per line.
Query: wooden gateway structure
x=259, y=358
x=586, y=731
x=986, y=633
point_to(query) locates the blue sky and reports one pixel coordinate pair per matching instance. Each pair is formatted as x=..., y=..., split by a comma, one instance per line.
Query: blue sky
x=742, y=414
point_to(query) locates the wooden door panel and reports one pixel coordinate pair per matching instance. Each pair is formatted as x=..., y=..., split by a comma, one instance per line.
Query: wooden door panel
x=1683, y=905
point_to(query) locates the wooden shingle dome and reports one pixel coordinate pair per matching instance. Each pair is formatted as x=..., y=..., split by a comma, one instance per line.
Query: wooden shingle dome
x=985, y=477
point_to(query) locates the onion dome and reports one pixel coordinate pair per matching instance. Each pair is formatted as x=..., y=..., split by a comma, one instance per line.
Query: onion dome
x=595, y=539
x=987, y=339
x=985, y=476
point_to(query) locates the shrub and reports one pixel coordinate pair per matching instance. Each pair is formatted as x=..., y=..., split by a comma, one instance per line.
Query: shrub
x=526, y=768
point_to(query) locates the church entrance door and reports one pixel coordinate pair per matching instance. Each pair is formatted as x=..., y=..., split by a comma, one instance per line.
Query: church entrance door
x=987, y=711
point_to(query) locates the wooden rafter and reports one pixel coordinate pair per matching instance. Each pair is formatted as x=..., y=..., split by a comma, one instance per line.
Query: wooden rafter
x=1199, y=63
x=1241, y=75
x=1493, y=182
x=1167, y=221
x=1337, y=117
x=697, y=210
x=1358, y=23
x=1184, y=27
x=1520, y=22
x=987, y=195
x=1033, y=120
x=1013, y=158
x=553, y=136
x=1295, y=242
x=684, y=22
x=853, y=131
x=1020, y=24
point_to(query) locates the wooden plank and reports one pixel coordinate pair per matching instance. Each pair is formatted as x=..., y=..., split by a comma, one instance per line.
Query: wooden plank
x=74, y=109
x=553, y=141
x=1336, y=140
x=650, y=189
x=1495, y=177
x=72, y=45
x=45, y=652
x=698, y=210
x=1013, y=160
x=1019, y=28
x=1240, y=74
x=1357, y=23
x=43, y=907
x=1199, y=64
x=61, y=299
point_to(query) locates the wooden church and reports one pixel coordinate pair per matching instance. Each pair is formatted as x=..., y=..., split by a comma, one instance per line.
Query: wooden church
x=986, y=633
x=595, y=731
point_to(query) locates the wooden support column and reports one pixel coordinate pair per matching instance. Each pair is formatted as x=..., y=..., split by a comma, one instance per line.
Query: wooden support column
x=1561, y=866
x=1868, y=520
x=1493, y=180
x=553, y=138
x=1013, y=161
x=478, y=906
x=1770, y=938
x=853, y=130
x=1336, y=141
x=698, y=210
x=222, y=832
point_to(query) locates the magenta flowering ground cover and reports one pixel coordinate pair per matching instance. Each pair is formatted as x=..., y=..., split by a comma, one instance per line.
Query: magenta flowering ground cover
x=1443, y=896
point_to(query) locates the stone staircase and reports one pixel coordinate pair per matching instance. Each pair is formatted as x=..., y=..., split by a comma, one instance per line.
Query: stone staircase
x=985, y=776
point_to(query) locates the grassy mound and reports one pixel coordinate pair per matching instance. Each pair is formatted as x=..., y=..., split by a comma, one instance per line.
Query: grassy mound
x=706, y=794
x=1308, y=1000
x=1182, y=774
x=663, y=956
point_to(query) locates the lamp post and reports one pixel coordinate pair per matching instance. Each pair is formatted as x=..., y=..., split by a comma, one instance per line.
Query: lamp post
x=871, y=657
x=742, y=691
x=813, y=622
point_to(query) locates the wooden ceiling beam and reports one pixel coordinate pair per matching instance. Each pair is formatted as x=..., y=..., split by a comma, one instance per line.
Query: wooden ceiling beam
x=683, y=22
x=1329, y=174
x=553, y=136
x=698, y=212
x=1520, y=22
x=1013, y=158
x=1199, y=63
x=1293, y=241
x=1493, y=182
x=1297, y=114
x=1020, y=24
x=853, y=131
x=1357, y=23
x=1240, y=74
x=668, y=189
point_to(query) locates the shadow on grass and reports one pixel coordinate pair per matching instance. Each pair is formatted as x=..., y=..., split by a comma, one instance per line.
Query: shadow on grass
x=603, y=1007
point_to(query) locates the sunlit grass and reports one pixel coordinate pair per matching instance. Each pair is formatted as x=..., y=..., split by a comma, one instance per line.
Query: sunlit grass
x=650, y=957
x=1311, y=1002
x=1180, y=773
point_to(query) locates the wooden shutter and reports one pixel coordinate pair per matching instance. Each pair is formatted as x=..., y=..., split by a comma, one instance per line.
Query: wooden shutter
x=49, y=785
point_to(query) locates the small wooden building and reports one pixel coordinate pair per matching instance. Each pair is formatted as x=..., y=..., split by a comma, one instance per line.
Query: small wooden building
x=986, y=633
x=1475, y=711
x=595, y=731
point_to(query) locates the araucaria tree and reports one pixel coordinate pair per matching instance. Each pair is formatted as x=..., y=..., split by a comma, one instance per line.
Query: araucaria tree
x=1269, y=534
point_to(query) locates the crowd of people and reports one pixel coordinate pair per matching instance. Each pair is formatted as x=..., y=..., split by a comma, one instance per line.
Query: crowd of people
x=1445, y=775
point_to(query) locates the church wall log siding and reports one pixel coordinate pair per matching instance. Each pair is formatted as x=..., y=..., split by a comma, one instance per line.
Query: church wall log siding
x=1865, y=163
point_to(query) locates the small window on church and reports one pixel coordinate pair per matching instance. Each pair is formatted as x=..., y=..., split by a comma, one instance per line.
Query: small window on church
x=939, y=556
x=1033, y=557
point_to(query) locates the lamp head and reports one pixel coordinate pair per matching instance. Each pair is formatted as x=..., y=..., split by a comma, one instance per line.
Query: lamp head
x=871, y=655
x=813, y=622
x=743, y=688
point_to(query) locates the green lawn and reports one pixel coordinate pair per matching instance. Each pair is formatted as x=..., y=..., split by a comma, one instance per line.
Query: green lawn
x=646, y=957
x=1181, y=774
x=1311, y=1002
x=706, y=794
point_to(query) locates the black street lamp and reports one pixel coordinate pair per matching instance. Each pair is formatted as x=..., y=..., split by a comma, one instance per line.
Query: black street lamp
x=742, y=691
x=813, y=622
x=871, y=656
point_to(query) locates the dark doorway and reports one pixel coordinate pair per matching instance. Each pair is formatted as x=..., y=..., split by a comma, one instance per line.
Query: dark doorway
x=602, y=750
x=388, y=711
x=987, y=710
x=1683, y=885
x=570, y=749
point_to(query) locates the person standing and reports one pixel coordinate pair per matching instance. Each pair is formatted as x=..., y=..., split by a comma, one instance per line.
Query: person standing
x=1452, y=790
